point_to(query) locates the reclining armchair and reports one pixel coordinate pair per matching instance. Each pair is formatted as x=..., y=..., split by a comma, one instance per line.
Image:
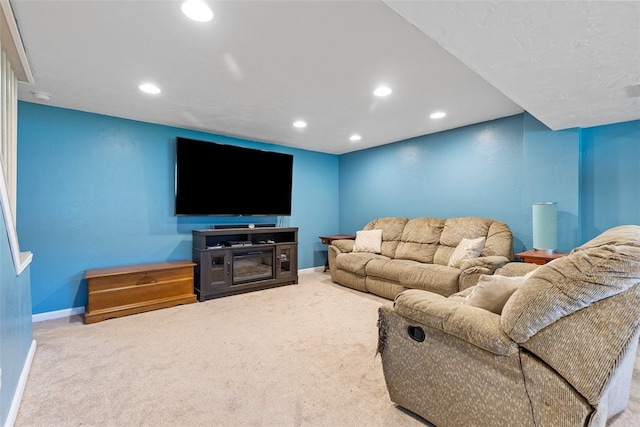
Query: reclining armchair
x=560, y=352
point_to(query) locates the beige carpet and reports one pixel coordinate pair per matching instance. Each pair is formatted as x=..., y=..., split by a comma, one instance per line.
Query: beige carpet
x=301, y=355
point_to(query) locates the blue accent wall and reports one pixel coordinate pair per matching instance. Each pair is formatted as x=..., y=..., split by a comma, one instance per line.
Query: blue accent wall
x=16, y=333
x=550, y=173
x=498, y=169
x=462, y=172
x=97, y=191
x=495, y=169
x=610, y=177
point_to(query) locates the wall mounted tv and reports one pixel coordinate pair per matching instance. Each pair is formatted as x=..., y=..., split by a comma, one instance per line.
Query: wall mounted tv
x=225, y=180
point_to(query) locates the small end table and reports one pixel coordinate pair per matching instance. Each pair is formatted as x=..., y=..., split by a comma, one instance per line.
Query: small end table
x=540, y=257
x=326, y=240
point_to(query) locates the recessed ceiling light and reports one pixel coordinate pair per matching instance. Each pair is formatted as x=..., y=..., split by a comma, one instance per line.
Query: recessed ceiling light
x=355, y=137
x=42, y=96
x=382, y=91
x=197, y=10
x=300, y=124
x=149, y=88
x=438, y=115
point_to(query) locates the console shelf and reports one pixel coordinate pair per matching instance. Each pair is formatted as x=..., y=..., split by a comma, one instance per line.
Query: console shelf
x=235, y=260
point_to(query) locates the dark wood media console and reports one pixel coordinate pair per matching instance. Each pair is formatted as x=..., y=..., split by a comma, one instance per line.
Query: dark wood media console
x=235, y=260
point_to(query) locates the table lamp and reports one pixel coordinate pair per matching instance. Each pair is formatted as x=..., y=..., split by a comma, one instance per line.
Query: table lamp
x=545, y=226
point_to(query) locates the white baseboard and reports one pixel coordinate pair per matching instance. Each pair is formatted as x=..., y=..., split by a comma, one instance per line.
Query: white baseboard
x=22, y=382
x=311, y=270
x=50, y=315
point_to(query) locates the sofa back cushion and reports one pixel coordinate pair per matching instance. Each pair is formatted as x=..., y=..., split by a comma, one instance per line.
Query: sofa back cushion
x=499, y=239
x=601, y=268
x=420, y=239
x=392, y=228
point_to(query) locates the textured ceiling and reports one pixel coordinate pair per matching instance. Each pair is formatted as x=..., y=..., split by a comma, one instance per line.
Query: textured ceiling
x=568, y=63
x=261, y=65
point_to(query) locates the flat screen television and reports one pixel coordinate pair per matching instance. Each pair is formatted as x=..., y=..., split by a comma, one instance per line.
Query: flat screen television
x=226, y=180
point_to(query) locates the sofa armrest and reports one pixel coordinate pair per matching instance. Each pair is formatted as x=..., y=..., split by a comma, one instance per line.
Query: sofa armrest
x=344, y=245
x=513, y=269
x=474, y=325
x=491, y=262
x=336, y=248
x=473, y=268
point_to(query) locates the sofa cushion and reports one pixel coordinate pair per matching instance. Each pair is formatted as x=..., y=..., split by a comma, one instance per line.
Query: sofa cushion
x=512, y=269
x=467, y=248
x=387, y=268
x=420, y=239
x=456, y=229
x=499, y=241
x=355, y=262
x=368, y=241
x=391, y=233
x=383, y=287
x=436, y=278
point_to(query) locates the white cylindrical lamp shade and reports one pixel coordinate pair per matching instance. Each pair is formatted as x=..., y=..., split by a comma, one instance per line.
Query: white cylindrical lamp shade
x=545, y=226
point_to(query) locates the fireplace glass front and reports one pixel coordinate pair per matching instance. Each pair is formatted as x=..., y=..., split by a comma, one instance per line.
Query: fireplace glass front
x=252, y=266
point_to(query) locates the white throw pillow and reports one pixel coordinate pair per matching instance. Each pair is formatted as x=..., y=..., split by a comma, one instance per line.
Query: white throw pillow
x=368, y=241
x=467, y=248
x=492, y=291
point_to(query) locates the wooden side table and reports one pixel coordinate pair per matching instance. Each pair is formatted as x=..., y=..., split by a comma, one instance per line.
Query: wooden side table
x=326, y=240
x=540, y=257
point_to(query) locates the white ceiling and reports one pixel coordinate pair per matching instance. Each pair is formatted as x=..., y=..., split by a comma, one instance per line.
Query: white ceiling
x=260, y=65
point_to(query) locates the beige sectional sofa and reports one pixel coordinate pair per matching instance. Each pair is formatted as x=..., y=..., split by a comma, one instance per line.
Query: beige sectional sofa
x=418, y=253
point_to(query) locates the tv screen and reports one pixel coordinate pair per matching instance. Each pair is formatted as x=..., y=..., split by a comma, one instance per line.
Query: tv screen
x=225, y=180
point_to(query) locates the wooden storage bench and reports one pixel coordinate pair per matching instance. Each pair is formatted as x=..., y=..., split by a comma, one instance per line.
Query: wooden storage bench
x=119, y=291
